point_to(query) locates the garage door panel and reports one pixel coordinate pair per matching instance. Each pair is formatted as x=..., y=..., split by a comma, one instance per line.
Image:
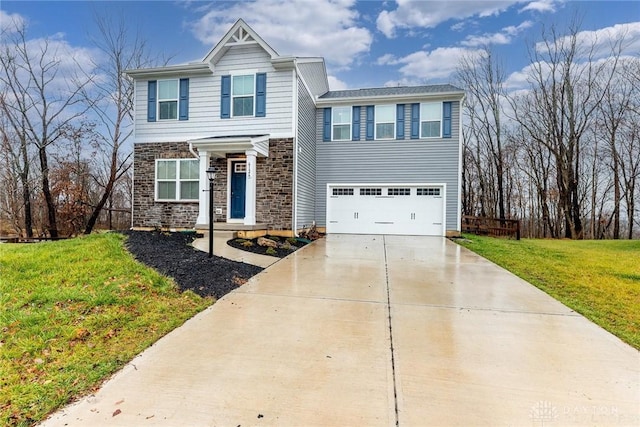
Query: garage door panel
x=388, y=209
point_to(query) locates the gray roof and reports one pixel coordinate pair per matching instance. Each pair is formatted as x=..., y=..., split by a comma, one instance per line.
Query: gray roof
x=390, y=91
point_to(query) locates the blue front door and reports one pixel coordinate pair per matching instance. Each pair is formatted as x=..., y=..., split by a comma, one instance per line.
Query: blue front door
x=238, y=189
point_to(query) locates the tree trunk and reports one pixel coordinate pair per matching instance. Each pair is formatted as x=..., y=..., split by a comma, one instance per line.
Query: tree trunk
x=46, y=191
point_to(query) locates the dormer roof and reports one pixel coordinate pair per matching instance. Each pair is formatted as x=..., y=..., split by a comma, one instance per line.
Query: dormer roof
x=240, y=34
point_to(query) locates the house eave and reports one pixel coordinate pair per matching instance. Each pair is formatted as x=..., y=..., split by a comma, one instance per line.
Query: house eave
x=457, y=95
x=221, y=146
x=184, y=70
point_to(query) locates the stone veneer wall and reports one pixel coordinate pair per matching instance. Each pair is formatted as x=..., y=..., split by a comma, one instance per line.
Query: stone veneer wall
x=274, y=187
x=146, y=211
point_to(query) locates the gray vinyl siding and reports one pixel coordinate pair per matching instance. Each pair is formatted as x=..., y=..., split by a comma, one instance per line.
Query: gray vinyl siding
x=390, y=161
x=306, y=164
x=314, y=75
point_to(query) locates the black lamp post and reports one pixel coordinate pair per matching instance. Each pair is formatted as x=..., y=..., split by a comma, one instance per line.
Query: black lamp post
x=211, y=174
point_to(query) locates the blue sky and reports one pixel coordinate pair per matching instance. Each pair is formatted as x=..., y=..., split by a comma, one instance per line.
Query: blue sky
x=365, y=43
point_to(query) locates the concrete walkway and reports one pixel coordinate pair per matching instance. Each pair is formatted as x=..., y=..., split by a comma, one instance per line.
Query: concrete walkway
x=220, y=248
x=376, y=331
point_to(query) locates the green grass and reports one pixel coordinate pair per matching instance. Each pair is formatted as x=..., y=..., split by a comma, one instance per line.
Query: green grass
x=599, y=279
x=73, y=312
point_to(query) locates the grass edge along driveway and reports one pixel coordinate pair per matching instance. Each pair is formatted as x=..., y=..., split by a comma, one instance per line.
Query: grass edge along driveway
x=72, y=313
x=599, y=279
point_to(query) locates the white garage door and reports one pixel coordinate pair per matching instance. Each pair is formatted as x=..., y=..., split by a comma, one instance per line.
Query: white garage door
x=386, y=209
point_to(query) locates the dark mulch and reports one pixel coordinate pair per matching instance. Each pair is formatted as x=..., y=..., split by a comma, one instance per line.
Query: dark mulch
x=262, y=250
x=172, y=255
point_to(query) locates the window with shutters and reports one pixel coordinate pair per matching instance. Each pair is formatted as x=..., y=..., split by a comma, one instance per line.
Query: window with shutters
x=430, y=120
x=168, y=99
x=341, y=123
x=242, y=94
x=385, y=116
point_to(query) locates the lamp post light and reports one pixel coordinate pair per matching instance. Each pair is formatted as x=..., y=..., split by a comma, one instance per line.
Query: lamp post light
x=211, y=174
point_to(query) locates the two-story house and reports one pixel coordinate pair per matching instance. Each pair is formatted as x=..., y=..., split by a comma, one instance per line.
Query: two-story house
x=287, y=150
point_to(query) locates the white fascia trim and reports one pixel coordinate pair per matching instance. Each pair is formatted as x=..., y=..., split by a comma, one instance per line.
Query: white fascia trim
x=327, y=102
x=184, y=70
x=221, y=146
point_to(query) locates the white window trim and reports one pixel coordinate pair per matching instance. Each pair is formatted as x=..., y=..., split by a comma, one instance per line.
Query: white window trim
x=421, y=121
x=350, y=123
x=177, y=180
x=376, y=122
x=177, y=99
x=243, y=74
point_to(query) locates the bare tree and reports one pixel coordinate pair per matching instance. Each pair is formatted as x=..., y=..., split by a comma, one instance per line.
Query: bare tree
x=39, y=99
x=483, y=78
x=17, y=166
x=115, y=91
x=560, y=106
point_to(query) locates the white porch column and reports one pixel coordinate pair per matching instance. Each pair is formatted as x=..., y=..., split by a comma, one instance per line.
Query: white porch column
x=203, y=210
x=250, y=192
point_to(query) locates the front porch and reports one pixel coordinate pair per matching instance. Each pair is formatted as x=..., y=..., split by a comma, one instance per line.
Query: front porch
x=236, y=158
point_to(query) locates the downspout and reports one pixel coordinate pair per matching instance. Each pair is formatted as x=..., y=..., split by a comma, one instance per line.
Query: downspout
x=294, y=113
x=192, y=151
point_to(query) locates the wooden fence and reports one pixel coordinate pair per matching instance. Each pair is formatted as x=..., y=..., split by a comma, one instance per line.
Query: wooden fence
x=491, y=226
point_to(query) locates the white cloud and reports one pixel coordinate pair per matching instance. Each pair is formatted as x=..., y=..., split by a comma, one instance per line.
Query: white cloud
x=387, y=59
x=326, y=28
x=541, y=6
x=336, y=84
x=504, y=36
x=10, y=22
x=603, y=39
x=437, y=65
x=411, y=14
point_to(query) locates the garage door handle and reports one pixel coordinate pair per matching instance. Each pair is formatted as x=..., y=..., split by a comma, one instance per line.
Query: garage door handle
x=355, y=215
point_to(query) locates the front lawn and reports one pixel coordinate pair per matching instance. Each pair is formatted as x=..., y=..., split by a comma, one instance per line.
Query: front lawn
x=73, y=312
x=598, y=279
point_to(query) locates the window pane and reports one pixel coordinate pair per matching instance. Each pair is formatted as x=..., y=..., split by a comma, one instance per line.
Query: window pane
x=243, y=85
x=168, y=110
x=341, y=115
x=243, y=106
x=385, y=131
x=342, y=132
x=189, y=190
x=168, y=89
x=430, y=129
x=167, y=169
x=189, y=169
x=385, y=113
x=167, y=190
x=430, y=111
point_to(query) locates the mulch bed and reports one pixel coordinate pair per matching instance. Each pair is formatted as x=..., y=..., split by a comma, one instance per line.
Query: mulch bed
x=172, y=255
x=262, y=250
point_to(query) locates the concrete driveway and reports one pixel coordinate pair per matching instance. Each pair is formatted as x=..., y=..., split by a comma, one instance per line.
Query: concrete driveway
x=376, y=331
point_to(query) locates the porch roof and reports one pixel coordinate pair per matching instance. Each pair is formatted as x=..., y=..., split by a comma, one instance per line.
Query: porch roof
x=220, y=146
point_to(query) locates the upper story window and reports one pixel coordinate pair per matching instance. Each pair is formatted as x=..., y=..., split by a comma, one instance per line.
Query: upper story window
x=341, y=123
x=242, y=93
x=385, y=116
x=177, y=179
x=430, y=120
x=168, y=99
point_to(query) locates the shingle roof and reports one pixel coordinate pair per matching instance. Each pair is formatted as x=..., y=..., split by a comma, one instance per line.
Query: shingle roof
x=390, y=91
